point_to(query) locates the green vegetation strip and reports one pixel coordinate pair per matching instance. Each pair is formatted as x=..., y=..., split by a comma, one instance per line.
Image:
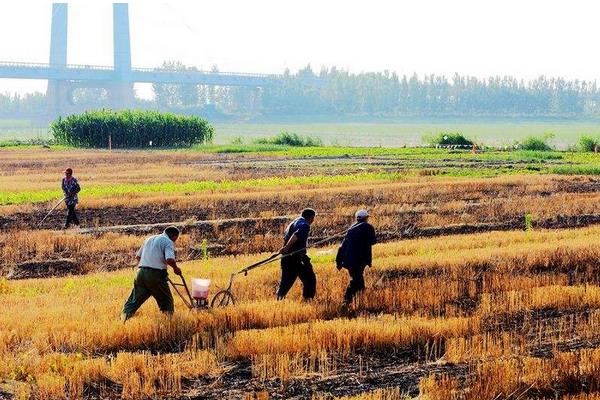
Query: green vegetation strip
x=409, y=152
x=576, y=170
x=195, y=186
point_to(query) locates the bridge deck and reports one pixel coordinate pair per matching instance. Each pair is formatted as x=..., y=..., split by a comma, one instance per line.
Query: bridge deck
x=17, y=70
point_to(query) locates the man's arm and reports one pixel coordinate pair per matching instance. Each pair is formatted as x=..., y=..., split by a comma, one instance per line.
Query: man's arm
x=138, y=255
x=372, y=235
x=170, y=257
x=285, y=249
x=341, y=253
x=372, y=240
x=173, y=264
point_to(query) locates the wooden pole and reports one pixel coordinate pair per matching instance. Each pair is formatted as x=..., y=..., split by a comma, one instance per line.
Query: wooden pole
x=109, y=142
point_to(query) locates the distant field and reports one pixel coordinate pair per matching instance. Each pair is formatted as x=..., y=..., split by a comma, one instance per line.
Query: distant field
x=393, y=134
x=20, y=129
x=410, y=134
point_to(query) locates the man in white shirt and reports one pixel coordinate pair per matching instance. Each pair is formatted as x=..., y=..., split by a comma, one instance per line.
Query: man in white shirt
x=157, y=252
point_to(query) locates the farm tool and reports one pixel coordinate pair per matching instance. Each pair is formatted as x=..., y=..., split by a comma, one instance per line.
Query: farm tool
x=224, y=297
x=52, y=209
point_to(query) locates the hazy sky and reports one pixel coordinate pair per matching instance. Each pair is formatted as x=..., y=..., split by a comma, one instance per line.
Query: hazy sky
x=524, y=38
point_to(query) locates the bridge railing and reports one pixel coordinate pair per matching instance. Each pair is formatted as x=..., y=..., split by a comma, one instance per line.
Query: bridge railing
x=193, y=72
x=109, y=68
x=49, y=66
x=147, y=74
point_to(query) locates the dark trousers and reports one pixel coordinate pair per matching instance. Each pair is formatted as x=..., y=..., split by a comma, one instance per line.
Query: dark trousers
x=297, y=266
x=149, y=282
x=357, y=283
x=71, y=216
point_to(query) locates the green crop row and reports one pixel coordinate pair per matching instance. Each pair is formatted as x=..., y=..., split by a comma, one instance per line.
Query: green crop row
x=21, y=197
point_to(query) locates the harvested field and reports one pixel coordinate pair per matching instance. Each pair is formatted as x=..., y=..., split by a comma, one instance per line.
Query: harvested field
x=484, y=286
x=249, y=221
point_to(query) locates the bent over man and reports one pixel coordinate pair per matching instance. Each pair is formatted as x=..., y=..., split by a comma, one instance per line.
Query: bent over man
x=157, y=252
x=355, y=254
x=70, y=188
x=295, y=263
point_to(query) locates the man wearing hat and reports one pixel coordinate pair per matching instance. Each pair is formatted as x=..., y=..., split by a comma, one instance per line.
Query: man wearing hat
x=355, y=253
x=70, y=188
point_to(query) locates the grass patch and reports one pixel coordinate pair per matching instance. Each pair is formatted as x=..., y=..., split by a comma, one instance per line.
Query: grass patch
x=241, y=148
x=588, y=144
x=537, y=143
x=449, y=139
x=27, y=142
x=292, y=140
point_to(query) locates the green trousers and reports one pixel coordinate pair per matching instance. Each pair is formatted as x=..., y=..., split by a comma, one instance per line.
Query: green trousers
x=149, y=282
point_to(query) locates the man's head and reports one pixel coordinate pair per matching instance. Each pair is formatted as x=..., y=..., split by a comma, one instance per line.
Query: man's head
x=172, y=232
x=362, y=215
x=68, y=172
x=309, y=215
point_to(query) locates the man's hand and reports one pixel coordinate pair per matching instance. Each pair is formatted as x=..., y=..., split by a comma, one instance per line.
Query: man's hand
x=173, y=264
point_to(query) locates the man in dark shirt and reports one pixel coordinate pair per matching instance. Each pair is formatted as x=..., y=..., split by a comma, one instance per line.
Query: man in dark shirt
x=295, y=263
x=355, y=253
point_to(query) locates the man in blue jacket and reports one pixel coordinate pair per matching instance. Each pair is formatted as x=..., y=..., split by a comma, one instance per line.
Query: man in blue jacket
x=355, y=253
x=295, y=263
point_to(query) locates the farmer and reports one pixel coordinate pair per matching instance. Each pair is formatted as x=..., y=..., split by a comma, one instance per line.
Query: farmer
x=355, y=254
x=295, y=263
x=70, y=188
x=157, y=252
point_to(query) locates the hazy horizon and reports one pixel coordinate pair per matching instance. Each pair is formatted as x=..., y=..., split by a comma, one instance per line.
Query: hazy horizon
x=524, y=40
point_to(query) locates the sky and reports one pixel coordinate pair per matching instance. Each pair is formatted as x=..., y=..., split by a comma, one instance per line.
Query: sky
x=522, y=38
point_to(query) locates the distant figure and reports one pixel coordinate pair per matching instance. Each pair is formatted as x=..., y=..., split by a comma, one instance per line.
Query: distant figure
x=297, y=264
x=70, y=188
x=157, y=252
x=355, y=253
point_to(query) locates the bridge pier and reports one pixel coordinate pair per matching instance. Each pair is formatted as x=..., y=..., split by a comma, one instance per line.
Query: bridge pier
x=120, y=91
x=58, y=97
x=57, y=90
x=120, y=95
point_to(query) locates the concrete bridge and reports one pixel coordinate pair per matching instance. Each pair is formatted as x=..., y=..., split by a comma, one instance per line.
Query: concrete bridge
x=117, y=80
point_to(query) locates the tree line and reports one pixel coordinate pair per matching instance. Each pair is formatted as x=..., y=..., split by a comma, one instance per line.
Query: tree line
x=341, y=93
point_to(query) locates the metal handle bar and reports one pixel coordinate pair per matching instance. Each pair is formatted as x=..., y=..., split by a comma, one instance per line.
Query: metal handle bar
x=189, y=301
